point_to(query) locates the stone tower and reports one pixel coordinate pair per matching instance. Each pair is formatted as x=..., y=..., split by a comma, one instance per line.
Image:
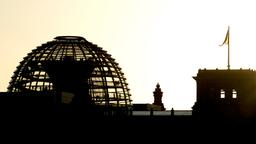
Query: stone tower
x=158, y=94
x=226, y=93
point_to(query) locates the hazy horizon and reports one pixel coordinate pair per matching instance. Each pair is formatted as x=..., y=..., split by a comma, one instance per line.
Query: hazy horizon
x=153, y=41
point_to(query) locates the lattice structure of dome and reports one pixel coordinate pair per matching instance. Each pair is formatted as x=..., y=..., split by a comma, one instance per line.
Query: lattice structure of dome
x=107, y=84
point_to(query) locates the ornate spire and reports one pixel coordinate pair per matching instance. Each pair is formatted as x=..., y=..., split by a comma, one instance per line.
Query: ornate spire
x=158, y=96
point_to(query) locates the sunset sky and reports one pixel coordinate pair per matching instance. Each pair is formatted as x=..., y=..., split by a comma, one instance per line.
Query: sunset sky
x=163, y=41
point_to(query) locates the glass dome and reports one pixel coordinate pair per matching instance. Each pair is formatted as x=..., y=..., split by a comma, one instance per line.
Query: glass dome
x=107, y=84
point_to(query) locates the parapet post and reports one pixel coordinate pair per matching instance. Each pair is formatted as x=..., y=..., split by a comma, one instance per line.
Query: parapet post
x=172, y=112
x=151, y=112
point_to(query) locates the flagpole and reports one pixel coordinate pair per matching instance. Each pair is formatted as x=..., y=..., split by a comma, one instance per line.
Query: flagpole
x=228, y=48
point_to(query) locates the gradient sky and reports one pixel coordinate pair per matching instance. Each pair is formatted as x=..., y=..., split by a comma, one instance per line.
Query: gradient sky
x=163, y=41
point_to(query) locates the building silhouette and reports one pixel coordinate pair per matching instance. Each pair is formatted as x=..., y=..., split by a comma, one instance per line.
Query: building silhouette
x=70, y=75
x=76, y=74
x=157, y=105
x=158, y=94
x=225, y=93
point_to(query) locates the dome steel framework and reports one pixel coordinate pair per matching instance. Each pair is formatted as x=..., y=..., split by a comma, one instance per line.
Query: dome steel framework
x=107, y=84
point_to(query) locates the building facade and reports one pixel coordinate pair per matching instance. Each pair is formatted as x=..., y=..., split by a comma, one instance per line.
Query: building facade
x=225, y=93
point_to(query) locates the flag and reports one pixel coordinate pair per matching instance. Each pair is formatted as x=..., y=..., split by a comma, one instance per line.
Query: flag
x=226, y=41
